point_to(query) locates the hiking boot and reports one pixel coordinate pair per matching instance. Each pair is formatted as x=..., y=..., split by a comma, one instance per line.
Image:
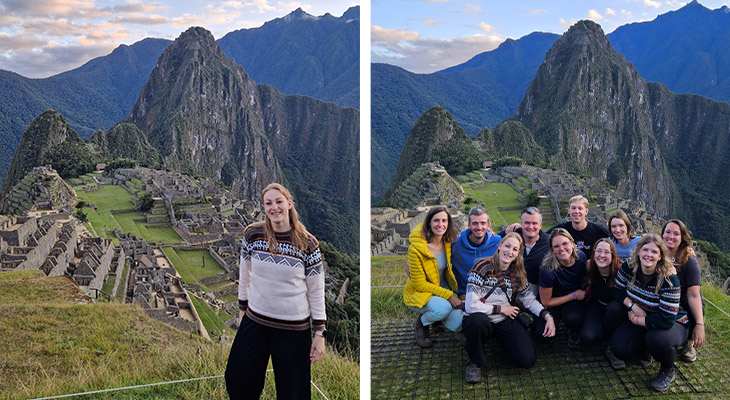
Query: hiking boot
x=662, y=380
x=573, y=340
x=438, y=327
x=460, y=338
x=616, y=363
x=689, y=353
x=646, y=360
x=473, y=373
x=423, y=338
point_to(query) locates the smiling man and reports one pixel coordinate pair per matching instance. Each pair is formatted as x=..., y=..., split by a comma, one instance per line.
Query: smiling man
x=473, y=243
x=536, y=243
x=584, y=232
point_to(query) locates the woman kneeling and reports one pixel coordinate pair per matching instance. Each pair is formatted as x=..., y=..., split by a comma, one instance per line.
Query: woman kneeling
x=493, y=285
x=655, y=322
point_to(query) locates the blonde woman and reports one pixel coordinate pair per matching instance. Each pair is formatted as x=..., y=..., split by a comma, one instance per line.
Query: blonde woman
x=494, y=285
x=653, y=322
x=431, y=286
x=281, y=302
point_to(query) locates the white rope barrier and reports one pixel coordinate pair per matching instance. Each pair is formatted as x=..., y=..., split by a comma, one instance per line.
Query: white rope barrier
x=716, y=306
x=153, y=384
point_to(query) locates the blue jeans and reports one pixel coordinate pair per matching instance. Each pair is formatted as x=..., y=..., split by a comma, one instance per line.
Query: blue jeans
x=439, y=309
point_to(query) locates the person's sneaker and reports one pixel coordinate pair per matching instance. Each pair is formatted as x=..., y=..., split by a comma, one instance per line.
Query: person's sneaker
x=423, y=338
x=573, y=340
x=689, y=353
x=473, y=373
x=460, y=338
x=662, y=380
x=646, y=359
x=616, y=363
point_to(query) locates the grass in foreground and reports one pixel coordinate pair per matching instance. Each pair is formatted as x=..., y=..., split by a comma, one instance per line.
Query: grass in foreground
x=62, y=346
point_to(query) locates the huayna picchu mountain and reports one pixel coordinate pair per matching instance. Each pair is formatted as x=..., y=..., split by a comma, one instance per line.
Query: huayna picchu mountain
x=204, y=115
x=589, y=109
x=592, y=113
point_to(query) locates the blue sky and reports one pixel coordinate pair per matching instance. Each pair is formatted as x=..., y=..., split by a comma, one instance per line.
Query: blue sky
x=429, y=35
x=39, y=38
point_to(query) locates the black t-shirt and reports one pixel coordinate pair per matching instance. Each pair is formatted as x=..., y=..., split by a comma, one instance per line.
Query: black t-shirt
x=688, y=276
x=586, y=238
x=566, y=280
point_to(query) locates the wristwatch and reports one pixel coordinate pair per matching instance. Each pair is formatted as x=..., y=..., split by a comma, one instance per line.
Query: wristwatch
x=319, y=333
x=631, y=305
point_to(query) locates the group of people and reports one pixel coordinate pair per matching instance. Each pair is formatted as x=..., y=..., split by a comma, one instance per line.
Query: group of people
x=641, y=293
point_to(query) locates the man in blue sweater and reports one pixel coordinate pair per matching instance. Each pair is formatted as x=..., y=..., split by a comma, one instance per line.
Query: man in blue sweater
x=474, y=242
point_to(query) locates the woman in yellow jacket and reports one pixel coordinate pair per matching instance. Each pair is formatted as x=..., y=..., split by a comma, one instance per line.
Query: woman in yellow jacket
x=431, y=286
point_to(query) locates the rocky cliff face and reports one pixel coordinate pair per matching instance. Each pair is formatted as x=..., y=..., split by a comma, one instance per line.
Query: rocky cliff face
x=125, y=141
x=590, y=110
x=204, y=115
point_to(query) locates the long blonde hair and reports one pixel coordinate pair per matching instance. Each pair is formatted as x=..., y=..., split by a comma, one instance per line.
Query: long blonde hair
x=301, y=238
x=663, y=266
x=550, y=262
x=517, y=265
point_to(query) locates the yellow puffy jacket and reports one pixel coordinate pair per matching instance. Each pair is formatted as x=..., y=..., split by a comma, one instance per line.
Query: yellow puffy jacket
x=424, y=280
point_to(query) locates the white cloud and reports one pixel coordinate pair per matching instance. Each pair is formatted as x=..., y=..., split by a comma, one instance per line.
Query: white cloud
x=470, y=9
x=537, y=11
x=610, y=11
x=626, y=14
x=431, y=22
x=594, y=15
x=419, y=54
x=485, y=27
x=651, y=3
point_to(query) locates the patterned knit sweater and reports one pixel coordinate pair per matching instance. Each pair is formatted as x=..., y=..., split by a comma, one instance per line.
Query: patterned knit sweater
x=482, y=278
x=662, y=309
x=285, y=289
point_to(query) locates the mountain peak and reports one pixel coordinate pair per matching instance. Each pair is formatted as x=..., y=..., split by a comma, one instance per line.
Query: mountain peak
x=298, y=14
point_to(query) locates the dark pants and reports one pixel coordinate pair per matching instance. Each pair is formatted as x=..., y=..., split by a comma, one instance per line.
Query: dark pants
x=510, y=334
x=571, y=313
x=289, y=352
x=631, y=341
x=595, y=323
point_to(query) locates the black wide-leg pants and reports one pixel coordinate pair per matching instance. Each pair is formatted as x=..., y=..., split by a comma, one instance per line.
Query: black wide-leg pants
x=510, y=334
x=249, y=357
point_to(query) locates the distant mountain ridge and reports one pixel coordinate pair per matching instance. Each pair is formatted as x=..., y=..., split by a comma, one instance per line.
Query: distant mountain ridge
x=100, y=93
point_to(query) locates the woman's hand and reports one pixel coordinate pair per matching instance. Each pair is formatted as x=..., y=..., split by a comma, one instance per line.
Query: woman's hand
x=698, y=335
x=580, y=294
x=317, y=348
x=638, y=311
x=241, y=313
x=637, y=320
x=455, y=302
x=509, y=311
x=549, y=328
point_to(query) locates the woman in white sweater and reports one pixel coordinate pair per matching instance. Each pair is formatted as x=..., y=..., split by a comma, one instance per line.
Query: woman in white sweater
x=494, y=285
x=281, y=302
